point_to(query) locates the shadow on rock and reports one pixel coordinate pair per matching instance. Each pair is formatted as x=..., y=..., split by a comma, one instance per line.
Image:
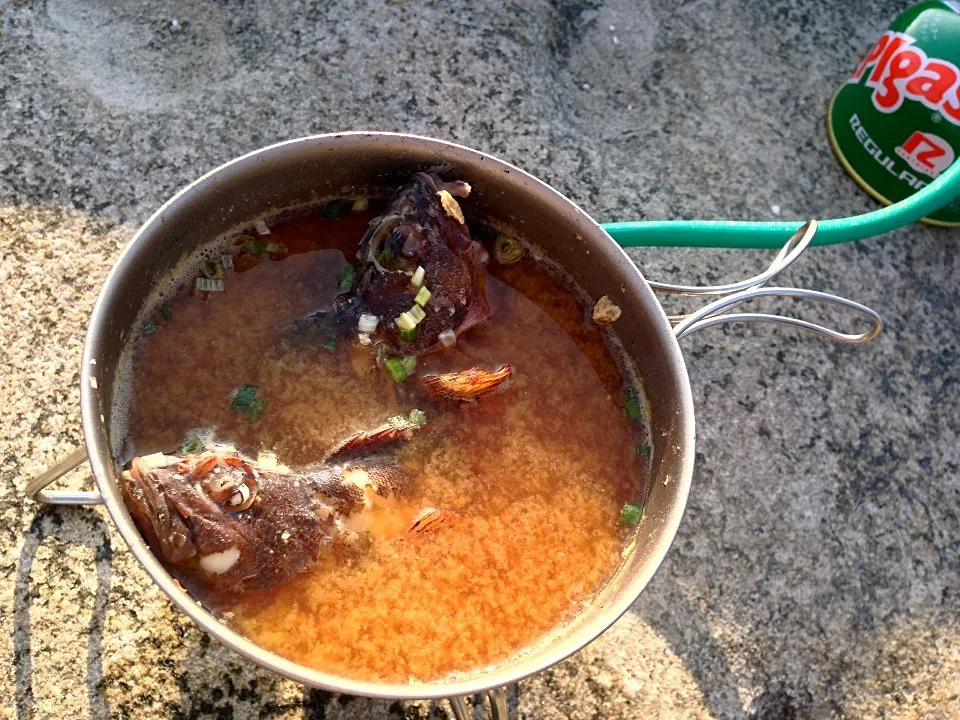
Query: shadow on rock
x=72, y=526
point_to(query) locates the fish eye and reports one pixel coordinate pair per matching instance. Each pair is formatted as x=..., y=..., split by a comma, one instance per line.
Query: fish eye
x=242, y=498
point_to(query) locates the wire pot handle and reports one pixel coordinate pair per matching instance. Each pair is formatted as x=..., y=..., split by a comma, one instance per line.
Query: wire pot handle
x=498, y=706
x=735, y=293
x=35, y=488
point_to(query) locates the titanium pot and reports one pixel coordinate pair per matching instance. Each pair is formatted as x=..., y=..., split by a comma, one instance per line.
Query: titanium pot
x=307, y=170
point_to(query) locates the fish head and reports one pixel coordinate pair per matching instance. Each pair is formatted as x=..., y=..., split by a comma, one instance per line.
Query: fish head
x=221, y=522
x=424, y=227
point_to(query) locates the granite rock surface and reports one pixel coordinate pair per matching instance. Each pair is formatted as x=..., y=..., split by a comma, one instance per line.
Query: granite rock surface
x=817, y=571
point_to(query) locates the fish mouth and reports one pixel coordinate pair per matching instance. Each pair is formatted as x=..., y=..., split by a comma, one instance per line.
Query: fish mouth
x=159, y=521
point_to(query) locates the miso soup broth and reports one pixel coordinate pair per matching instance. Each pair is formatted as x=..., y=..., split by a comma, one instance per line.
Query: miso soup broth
x=531, y=480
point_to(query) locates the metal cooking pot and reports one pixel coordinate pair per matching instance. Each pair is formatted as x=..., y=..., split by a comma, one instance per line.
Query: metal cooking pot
x=304, y=171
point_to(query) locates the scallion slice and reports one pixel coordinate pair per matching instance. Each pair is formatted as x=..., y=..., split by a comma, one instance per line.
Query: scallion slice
x=448, y=338
x=368, y=323
x=409, y=364
x=149, y=328
x=417, y=279
x=507, y=250
x=360, y=204
x=244, y=396
x=209, y=284
x=400, y=422
x=406, y=322
x=645, y=450
x=423, y=297
x=256, y=409
x=193, y=444
x=212, y=269
x=347, y=277
x=395, y=370
x=631, y=513
x=408, y=335
x=255, y=247
x=333, y=210
x=165, y=311
x=631, y=405
x=417, y=313
x=418, y=418
x=331, y=344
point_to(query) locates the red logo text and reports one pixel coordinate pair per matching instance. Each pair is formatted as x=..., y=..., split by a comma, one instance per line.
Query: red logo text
x=901, y=71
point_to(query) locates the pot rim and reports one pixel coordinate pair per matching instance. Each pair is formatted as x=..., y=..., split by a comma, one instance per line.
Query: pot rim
x=101, y=461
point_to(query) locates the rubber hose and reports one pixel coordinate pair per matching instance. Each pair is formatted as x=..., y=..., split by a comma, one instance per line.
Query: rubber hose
x=772, y=235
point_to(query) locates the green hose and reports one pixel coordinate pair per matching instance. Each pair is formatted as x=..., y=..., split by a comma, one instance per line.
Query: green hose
x=772, y=235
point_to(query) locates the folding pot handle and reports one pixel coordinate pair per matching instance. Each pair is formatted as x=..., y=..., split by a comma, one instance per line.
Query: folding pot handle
x=35, y=488
x=498, y=705
x=713, y=314
x=736, y=293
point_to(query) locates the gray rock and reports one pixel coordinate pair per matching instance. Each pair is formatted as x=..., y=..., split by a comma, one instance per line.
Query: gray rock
x=817, y=571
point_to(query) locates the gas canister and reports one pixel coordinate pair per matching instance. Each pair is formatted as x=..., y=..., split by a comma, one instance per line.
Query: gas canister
x=895, y=123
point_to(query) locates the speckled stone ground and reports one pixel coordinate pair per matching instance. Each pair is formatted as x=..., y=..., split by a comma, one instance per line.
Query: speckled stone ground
x=817, y=571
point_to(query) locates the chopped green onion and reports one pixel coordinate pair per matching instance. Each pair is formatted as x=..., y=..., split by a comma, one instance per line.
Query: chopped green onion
x=244, y=396
x=416, y=420
x=149, y=328
x=629, y=392
x=400, y=422
x=394, y=368
x=409, y=364
x=347, y=277
x=193, y=444
x=631, y=513
x=360, y=204
x=333, y=210
x=331, y=344
x=165, y=311
x=508, y=250
x=256, y=409
x=632, y=408
x=256, y=247
x=368, y=323
x=212, y=269
x=276, y=247
x=645, y=450
x=406, y=322
x=417, y=313
x=418, y=417
x=448, y=338
x=423, y=297
x=209, y=284
x=408, y=335
x=417, y=279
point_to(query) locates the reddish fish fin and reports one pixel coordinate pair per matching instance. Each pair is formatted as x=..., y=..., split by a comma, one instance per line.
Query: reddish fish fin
x=477, y=313
x=363, y=440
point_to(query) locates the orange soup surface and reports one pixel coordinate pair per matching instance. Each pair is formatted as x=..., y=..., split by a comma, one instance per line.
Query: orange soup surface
x=533, y=477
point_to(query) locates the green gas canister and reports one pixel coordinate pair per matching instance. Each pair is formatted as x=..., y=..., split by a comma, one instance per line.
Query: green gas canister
x=895, y=123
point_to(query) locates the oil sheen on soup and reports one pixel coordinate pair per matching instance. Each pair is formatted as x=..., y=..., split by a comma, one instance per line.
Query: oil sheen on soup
x=516, y=503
